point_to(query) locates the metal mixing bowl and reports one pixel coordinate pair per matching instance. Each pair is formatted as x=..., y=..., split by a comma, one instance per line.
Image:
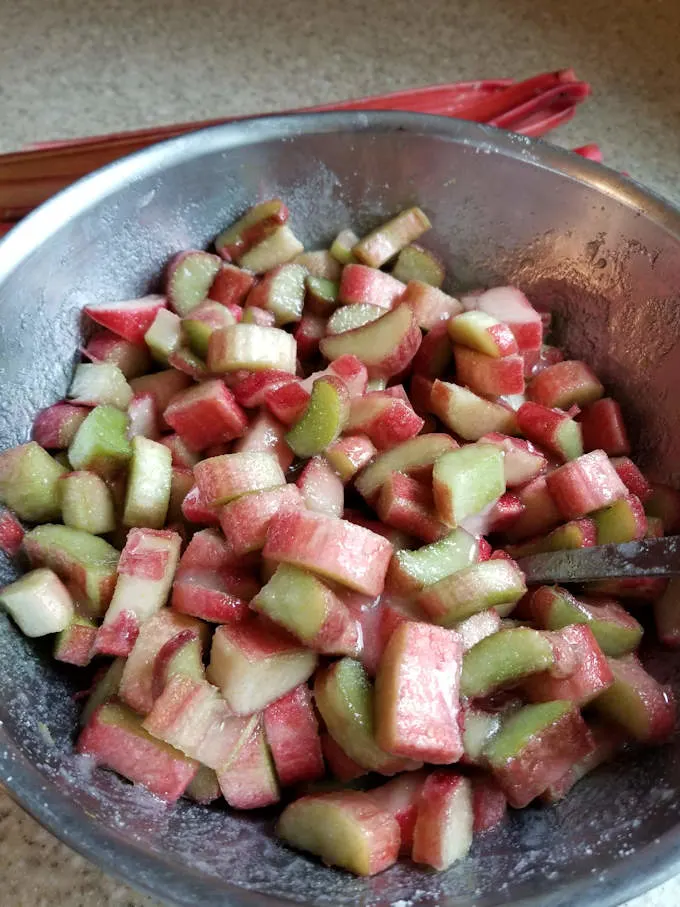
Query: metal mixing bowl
x=578, y=238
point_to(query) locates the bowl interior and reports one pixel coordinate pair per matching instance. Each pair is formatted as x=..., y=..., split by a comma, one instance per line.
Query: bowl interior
x=601, y=254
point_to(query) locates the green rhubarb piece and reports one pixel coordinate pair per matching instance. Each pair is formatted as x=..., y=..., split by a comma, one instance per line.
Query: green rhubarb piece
x=504, y=658
x=497, y=583
x=78, y=557
x=341, y=248
x=617, y=632
x=466, y=480
x=568, y=440
x=381, y=244
x=617, y=523
x=207, y=317
x=148, y=488
x=415, y=454
x=101, y=442
x=264, y=213
x=345, y=697
x=275, y=249
x=322, y=294
x=416, y=263
x=349, y=317
x=192, y=275
x=164, y=336
x=86, y=503
x=413, y=570
x=522, y=728
x=105, y=688
x=475, y=330
x=287, y=294
x=63, y=638
x=326, y=415
x=101, y=383
x=38, y=602
x=478, y=729
x=29, y=482
x=296, y=600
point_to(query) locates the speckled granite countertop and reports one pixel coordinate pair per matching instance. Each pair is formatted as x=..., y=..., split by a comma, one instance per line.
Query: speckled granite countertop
x=77, y=67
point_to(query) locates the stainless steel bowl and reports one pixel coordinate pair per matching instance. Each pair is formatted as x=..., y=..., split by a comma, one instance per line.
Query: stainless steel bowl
x=578, y=238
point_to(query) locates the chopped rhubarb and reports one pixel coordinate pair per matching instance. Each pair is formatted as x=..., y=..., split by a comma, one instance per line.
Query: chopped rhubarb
x=368, y=286
x=250, y=780
x=637, y=702
x=130, y=319
x=414, y=263
x=586, y=484
x=385, y=241
x=293, y=736
x=225, y=478
x=443, y=830
x=469, y=415
x=565, y=384
x=603, y=428
x=552, y=430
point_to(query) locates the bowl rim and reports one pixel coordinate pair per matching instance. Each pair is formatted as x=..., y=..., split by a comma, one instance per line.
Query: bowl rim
x=156, y=875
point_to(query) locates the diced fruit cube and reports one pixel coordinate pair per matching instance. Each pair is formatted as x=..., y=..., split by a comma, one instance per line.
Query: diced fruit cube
x=400, y=798
x=443, y=829
x=245, y=520
x=360, y=285
x=82, y=561
x=483, y=333
x=324, y=418
x=489, y=376
x=55, y=427
x=342, y=245
x=464, y=481
x=100, y=384
x=386, y=420
x=29, y=482
x=622, y=521
x=86, y=503
x=345, y=829
x=584, y=485
x=281, y=292
x=349, y=455
x=250, y=780
x=206, y=415
x=321, y=489
x=412, y=456
x=74, y=644
x=478, y=626
x=38, y=602
x=535, y=747
x=130, y=319
x=416, y=694
x=383, y=243
x=565, y=384
x=554, y=431
x=504, y=658
x=417, y=264
x=253, y=665
x=603, y=428
x=227, y=477
x=408, y=505
x=101, y=442
x=131, y=358
x=164, y=335
x=251, y=346
x=637, y=702
x=148, y=489
x=540, y=510
x=591, y=677
x=468, y=415
x=277, y=248
x=634, y=481
x=198, y=325
x=335, y=549
x=510, y=305
x=189, y=278
x=115, y=738
x=608, y=740
x=411, y=571
x=255, y=225
x=522, y=461
x=218, y=596
x=293, y=737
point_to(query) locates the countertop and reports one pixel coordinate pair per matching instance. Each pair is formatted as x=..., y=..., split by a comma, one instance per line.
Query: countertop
x=77, y=67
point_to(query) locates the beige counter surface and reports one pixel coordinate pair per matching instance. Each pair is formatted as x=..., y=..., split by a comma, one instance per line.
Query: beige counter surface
x=77, y=67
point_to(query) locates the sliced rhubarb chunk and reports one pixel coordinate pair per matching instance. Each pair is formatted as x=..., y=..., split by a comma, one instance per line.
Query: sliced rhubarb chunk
x=351, y=317
x=101, y=442
x=227, y=477
x=293, y=736
x=342, y=245
x=430, y=305
x=129, y=319
x=504, y=658
x=483, y=333
x=608, y=740
x=131, y=358
x=321, y=294
x=251, y=346
x=253, y=665
x=469, y=415
x=245, y=521
x=281, y=292
x=443, y=829
x=565, y=384
x=164, y=335
x=383, y=243
x=604, y=429
x=400, y=798
x=478, y=728
x=540, y=510
x=215, y=595
x=415, y=455
x=360, y=285
x=161, y=385
x=86, y=503
x=416, y=694
x=266, y=435
x=100, y=384
x=30, y=482
x=551, y=430
x=489, y=804
x=332, y=548
x=408, y=505
x=253, y=226
x=320, y=264
x=55, y=427
x=321, y=489
x=411, y=571
x=417, y=264
x=250, y=780
x=489, y=376
x=324, y=418
x=195, y=510
x=634, y=481
x=637, y=702
x=148, y=489
x=584, y=485
x=11, y=533
x=535, y=747
x=189, y=278
x=591, y=677
x=74, y=644
x=493, y=583
x=510, y=305
x=349, y=455
x=464, y=481
x=521, y=462
x=206, y=415
x=38, y=602
x=386, y=420
x=339, y=763
x=115, y=738
x=277, y=248
x=622, y=521
x=345, y=829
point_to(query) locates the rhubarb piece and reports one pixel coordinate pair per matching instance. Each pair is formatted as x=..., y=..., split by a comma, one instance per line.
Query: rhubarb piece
x=82, y=561
x=11, y=533
x=206, y=317
x=321, y=489
x=434, y=358
x=138, y=685
x=468, y=415
x=101, y=442
x=622, y=521
x=281, y=292
x=412, y=456
x=536, y=747
x=308, y=334
x=333, y=549
x=430, y=305
x=478, y=727
x=411, y=571
x=591, y=677
x=478, y=626
x=339, y=763
x=485, y=375
x=164, y=335
x=216, y=595
x=584, y=485
x=252, y=347
x=288, y=403
x=131, y=358
x=408, y=505
x=182, y=457
x=250, y=780
x=489, y=804
x=342, y=245
x=254, y=664
x=386, y=420
x=245, y=520
x=551, y=430
x=574, y=534
x=277, y=248
x=324, y=418
x=416, y=694
x=100, y=384
x=321, y=295
x=484, y=334
x=162, y=386
x=29, y=482
x=510, y=305
x=143, y=418
x=75, y=642
x=38, y=602
x=130, y=319
x=464, y=481
x=293, y=736
x=231, y=287
x=207, y=549
x=664, y=503
x=603, y=428
x=55, y=427
x=633, y=479
x=104, y=688
x=115, y=738
x=181, y=655
x=495, y=583
x=195, y=510
x=185, y=360
x=400, y=798
x=345, y=698
x=443, y=829
x=227, y=477
x=360, y=285
x=189, y=278
x=565, y=384
x=637, y=702
x=385, y=346
x=386, y=241
x=351, y=317
x=206, y=415
x=345, y=829
x=667, y=615
x=608, y=740
x=540, y=512
x=417, y=264
x=148, y=488
x=253, y=315
x=191, y=716
x=250, y=390
x=204, y=787
x=503, y=659
x=266, y=435
x=349, y=455
x=498, y=516
x=320, y=264
x=145, y=570
x=86, y=503
x=255, y=225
